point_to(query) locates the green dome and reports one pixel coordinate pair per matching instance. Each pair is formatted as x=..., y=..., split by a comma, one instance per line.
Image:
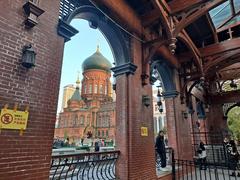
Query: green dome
x=96, y=61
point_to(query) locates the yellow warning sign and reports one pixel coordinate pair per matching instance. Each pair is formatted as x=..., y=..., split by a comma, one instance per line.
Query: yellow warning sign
x=12, y=119
x=144, y=131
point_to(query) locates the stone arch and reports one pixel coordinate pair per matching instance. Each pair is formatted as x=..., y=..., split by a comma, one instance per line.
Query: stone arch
x=117, y=39
x=166, y=76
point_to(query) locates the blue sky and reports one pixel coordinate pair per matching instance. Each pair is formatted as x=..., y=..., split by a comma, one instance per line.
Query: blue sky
x=76, y=50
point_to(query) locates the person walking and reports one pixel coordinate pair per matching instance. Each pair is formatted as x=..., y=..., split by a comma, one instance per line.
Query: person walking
x=202, y=155
x=96, y=146
x=233, y=157
x=161, y=150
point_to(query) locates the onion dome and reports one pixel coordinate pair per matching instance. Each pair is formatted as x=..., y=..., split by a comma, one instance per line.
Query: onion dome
x=96, y=61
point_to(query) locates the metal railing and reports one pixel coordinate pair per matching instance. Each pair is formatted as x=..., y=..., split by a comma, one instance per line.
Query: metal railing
x=193, y=170
x=84, y=166
x=169, y=157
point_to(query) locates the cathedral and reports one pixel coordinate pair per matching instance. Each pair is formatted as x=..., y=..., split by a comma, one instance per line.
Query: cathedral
x=90, y=112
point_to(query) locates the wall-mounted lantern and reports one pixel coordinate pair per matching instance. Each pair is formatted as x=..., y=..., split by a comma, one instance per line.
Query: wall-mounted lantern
x=146, y=100
x=184, y=114
x=32, y=12
x=28, y=56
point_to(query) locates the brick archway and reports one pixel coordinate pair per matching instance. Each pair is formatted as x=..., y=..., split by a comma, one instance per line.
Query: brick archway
x=166, y=76
x=118, y=40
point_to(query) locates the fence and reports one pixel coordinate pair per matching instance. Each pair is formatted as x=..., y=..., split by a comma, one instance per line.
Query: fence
x=217, y=165
x=84, y=166
x=216, y=152
x=192, y=170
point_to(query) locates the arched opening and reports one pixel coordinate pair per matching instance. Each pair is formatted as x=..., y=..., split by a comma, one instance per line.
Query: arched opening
x=161, y=76
x=87, y=107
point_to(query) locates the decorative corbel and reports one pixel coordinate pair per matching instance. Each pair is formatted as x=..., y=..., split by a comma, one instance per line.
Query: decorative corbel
x=148, y=50
x=32, y=12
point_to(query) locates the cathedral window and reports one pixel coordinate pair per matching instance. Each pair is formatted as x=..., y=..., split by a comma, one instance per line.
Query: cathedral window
x=108, y=121
x=82, y=120
x=88, y=120
x=107, y=133
x=65, y=123
x=95, y=88
x=101, y=89
x=75, y=120
x=90, y=89
x=85, y=89
x=106, y=90
x=102, y=133
x=99, y=121
x=102, y=121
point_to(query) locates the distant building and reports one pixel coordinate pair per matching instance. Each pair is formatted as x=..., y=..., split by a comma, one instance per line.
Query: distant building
x=67, y=94
x=159, y=118
x=90, y=112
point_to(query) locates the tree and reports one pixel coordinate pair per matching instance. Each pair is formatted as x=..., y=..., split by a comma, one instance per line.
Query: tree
x=234, y=122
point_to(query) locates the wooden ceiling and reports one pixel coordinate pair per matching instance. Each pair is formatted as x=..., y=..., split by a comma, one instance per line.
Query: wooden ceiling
x=214, y=51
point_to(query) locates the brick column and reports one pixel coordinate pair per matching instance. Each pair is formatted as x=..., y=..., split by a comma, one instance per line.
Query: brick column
x=215, y=121
x=137, y=157
x=171, y=124
x=122, y=125
x=179, y=128
x=29, y=156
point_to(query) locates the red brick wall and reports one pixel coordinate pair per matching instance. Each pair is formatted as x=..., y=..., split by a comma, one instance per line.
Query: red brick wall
x=28, y=156
x=179, y=128
x=137, y=159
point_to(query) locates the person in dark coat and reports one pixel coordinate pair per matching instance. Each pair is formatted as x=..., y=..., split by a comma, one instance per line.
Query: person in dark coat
x=161, y=150
x=233, y=157
x=96, y=146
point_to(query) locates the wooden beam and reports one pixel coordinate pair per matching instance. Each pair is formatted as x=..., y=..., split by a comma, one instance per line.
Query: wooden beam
x=228, y=27
x=211, y=71
x=166, y=54
x=149, y=18
x=168, y=24
x=196, y=54
x=185, y=57
x=181, y=5
x=225, y=97
x=213, y=29
x=164, y=17
x=221, y=59
x=221, y=47
x=194, y=16
x=122, y=13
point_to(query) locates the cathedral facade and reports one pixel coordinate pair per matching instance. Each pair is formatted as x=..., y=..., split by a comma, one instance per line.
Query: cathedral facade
x=90, y=112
